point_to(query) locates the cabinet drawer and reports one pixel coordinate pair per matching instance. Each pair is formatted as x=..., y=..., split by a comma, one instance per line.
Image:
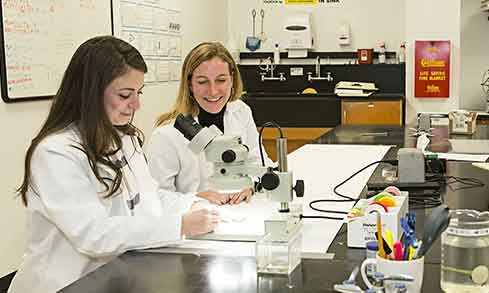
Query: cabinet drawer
x=371, y=112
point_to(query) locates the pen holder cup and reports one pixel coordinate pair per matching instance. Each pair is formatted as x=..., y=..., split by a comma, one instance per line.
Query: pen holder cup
x=413, y=268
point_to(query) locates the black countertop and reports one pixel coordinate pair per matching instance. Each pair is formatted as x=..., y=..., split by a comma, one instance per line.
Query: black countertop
x=282, y=95
x=292, y=109
x=455, y=197
x=149, y=272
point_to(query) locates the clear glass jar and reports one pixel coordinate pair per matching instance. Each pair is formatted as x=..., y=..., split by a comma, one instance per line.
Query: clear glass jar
x=278, y=256
x=465, y=252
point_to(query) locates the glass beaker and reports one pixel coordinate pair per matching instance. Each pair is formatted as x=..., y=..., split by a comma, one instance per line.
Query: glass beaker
x=465, y=252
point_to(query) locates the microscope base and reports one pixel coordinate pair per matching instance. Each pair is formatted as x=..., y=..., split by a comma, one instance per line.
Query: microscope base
x=279, y=255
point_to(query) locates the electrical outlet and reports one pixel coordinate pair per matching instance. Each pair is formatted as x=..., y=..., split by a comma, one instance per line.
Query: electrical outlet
x=296, y=71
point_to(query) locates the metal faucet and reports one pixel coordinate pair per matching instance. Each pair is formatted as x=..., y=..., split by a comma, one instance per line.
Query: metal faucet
x=318, y=67
x=281, y=76
x=318, y=73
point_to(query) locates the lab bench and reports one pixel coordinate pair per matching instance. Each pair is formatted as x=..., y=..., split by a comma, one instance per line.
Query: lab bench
x=438, y=117
x=193, y=272
x=292, y=109
x=305, y=117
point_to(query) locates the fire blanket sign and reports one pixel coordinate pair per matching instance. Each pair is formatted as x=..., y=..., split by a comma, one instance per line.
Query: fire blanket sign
x=432, y=69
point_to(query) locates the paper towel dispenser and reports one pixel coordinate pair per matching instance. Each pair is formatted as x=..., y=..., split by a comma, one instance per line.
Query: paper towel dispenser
x=298, y=34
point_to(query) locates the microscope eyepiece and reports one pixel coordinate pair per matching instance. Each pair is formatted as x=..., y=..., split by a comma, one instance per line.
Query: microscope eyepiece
x=187, y=126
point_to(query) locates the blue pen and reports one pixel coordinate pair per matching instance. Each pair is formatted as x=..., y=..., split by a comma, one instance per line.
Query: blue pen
x=408, y=238
x=412, y=220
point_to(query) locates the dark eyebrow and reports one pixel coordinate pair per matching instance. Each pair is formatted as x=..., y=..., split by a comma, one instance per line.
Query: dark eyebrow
x=131, y=89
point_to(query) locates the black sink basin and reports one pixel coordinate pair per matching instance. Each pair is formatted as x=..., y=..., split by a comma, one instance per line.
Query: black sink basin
x=295, y=109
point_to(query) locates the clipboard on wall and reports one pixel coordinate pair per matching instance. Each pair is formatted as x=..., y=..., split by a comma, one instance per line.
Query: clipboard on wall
x=38, y=39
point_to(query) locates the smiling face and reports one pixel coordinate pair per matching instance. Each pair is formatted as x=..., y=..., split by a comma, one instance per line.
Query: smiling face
x=211, y=84
x=121, y=97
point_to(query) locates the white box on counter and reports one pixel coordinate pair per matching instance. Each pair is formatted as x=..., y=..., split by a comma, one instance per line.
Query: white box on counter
x=362, y=229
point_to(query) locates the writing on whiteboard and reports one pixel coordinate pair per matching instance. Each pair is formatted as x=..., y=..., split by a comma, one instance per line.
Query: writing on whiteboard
x=41, y=36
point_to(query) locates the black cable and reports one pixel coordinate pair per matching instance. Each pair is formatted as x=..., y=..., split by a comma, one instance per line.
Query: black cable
x=319, y=217
x=345, y=198
x=326, y=211
x=467, y=182
x=392, y=162
x=423, y=201
x=267, y=124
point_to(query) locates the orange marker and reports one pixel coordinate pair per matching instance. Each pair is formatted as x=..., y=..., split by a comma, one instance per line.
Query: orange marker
x=382, y=253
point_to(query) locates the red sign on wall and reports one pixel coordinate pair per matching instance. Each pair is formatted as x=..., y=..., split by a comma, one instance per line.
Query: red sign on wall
x=432, y=69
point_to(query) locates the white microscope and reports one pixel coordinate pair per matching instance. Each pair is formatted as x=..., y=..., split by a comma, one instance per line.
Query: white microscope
x=279, y=251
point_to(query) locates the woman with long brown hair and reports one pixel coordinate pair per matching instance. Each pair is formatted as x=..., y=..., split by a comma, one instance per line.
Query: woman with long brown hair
x=87, y=188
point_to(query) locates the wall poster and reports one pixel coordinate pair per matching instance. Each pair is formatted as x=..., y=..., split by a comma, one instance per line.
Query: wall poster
x=154, y=27
x=432, y=69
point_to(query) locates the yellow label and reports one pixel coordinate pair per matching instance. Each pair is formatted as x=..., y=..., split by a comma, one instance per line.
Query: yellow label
x=287, y=2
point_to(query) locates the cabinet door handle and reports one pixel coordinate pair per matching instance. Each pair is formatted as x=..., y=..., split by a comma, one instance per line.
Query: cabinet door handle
x=371, y=105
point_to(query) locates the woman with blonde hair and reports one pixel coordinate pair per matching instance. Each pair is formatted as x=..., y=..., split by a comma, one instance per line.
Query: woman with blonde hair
x=210, y=91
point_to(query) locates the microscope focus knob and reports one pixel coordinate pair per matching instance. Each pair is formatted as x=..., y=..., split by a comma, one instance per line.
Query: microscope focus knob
x=228, y=156
x=299, y=188
x=270, y=181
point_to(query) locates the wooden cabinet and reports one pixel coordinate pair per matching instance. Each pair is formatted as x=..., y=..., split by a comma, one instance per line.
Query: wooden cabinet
x=296, y=137
x=371, y=112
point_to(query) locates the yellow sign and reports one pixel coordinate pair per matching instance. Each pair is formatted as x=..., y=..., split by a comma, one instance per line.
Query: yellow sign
x=287, y=2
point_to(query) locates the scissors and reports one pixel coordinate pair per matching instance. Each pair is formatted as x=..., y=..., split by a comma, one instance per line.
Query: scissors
x=436, y=223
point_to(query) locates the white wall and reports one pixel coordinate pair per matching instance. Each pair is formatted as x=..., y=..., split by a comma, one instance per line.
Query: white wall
x=433, y=20
x=393, y=21
x=199, y=24
x=474, y=51
x=20, y=121
x=370, y=21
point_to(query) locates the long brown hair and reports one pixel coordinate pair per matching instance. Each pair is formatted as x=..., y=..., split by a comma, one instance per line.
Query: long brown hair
x=79, y=102
x=185, y=103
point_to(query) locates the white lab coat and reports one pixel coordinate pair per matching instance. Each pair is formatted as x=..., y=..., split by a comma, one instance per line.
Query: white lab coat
x=175, y=167
x=72, y=229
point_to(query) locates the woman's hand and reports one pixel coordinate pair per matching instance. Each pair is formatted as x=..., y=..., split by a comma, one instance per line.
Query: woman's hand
x=214, y=197
x=238, y=197
x=199, y=222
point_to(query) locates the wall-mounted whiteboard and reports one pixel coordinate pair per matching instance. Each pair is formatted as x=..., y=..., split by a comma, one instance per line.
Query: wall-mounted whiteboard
x=38, y=39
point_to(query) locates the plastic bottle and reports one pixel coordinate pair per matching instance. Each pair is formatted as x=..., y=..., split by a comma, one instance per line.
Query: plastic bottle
x=402, y=53
x=371, y=250
x=276, y=54
x=382, y=52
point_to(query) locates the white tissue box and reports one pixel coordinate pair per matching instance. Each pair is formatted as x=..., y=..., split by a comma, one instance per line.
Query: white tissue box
x=362, y=229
